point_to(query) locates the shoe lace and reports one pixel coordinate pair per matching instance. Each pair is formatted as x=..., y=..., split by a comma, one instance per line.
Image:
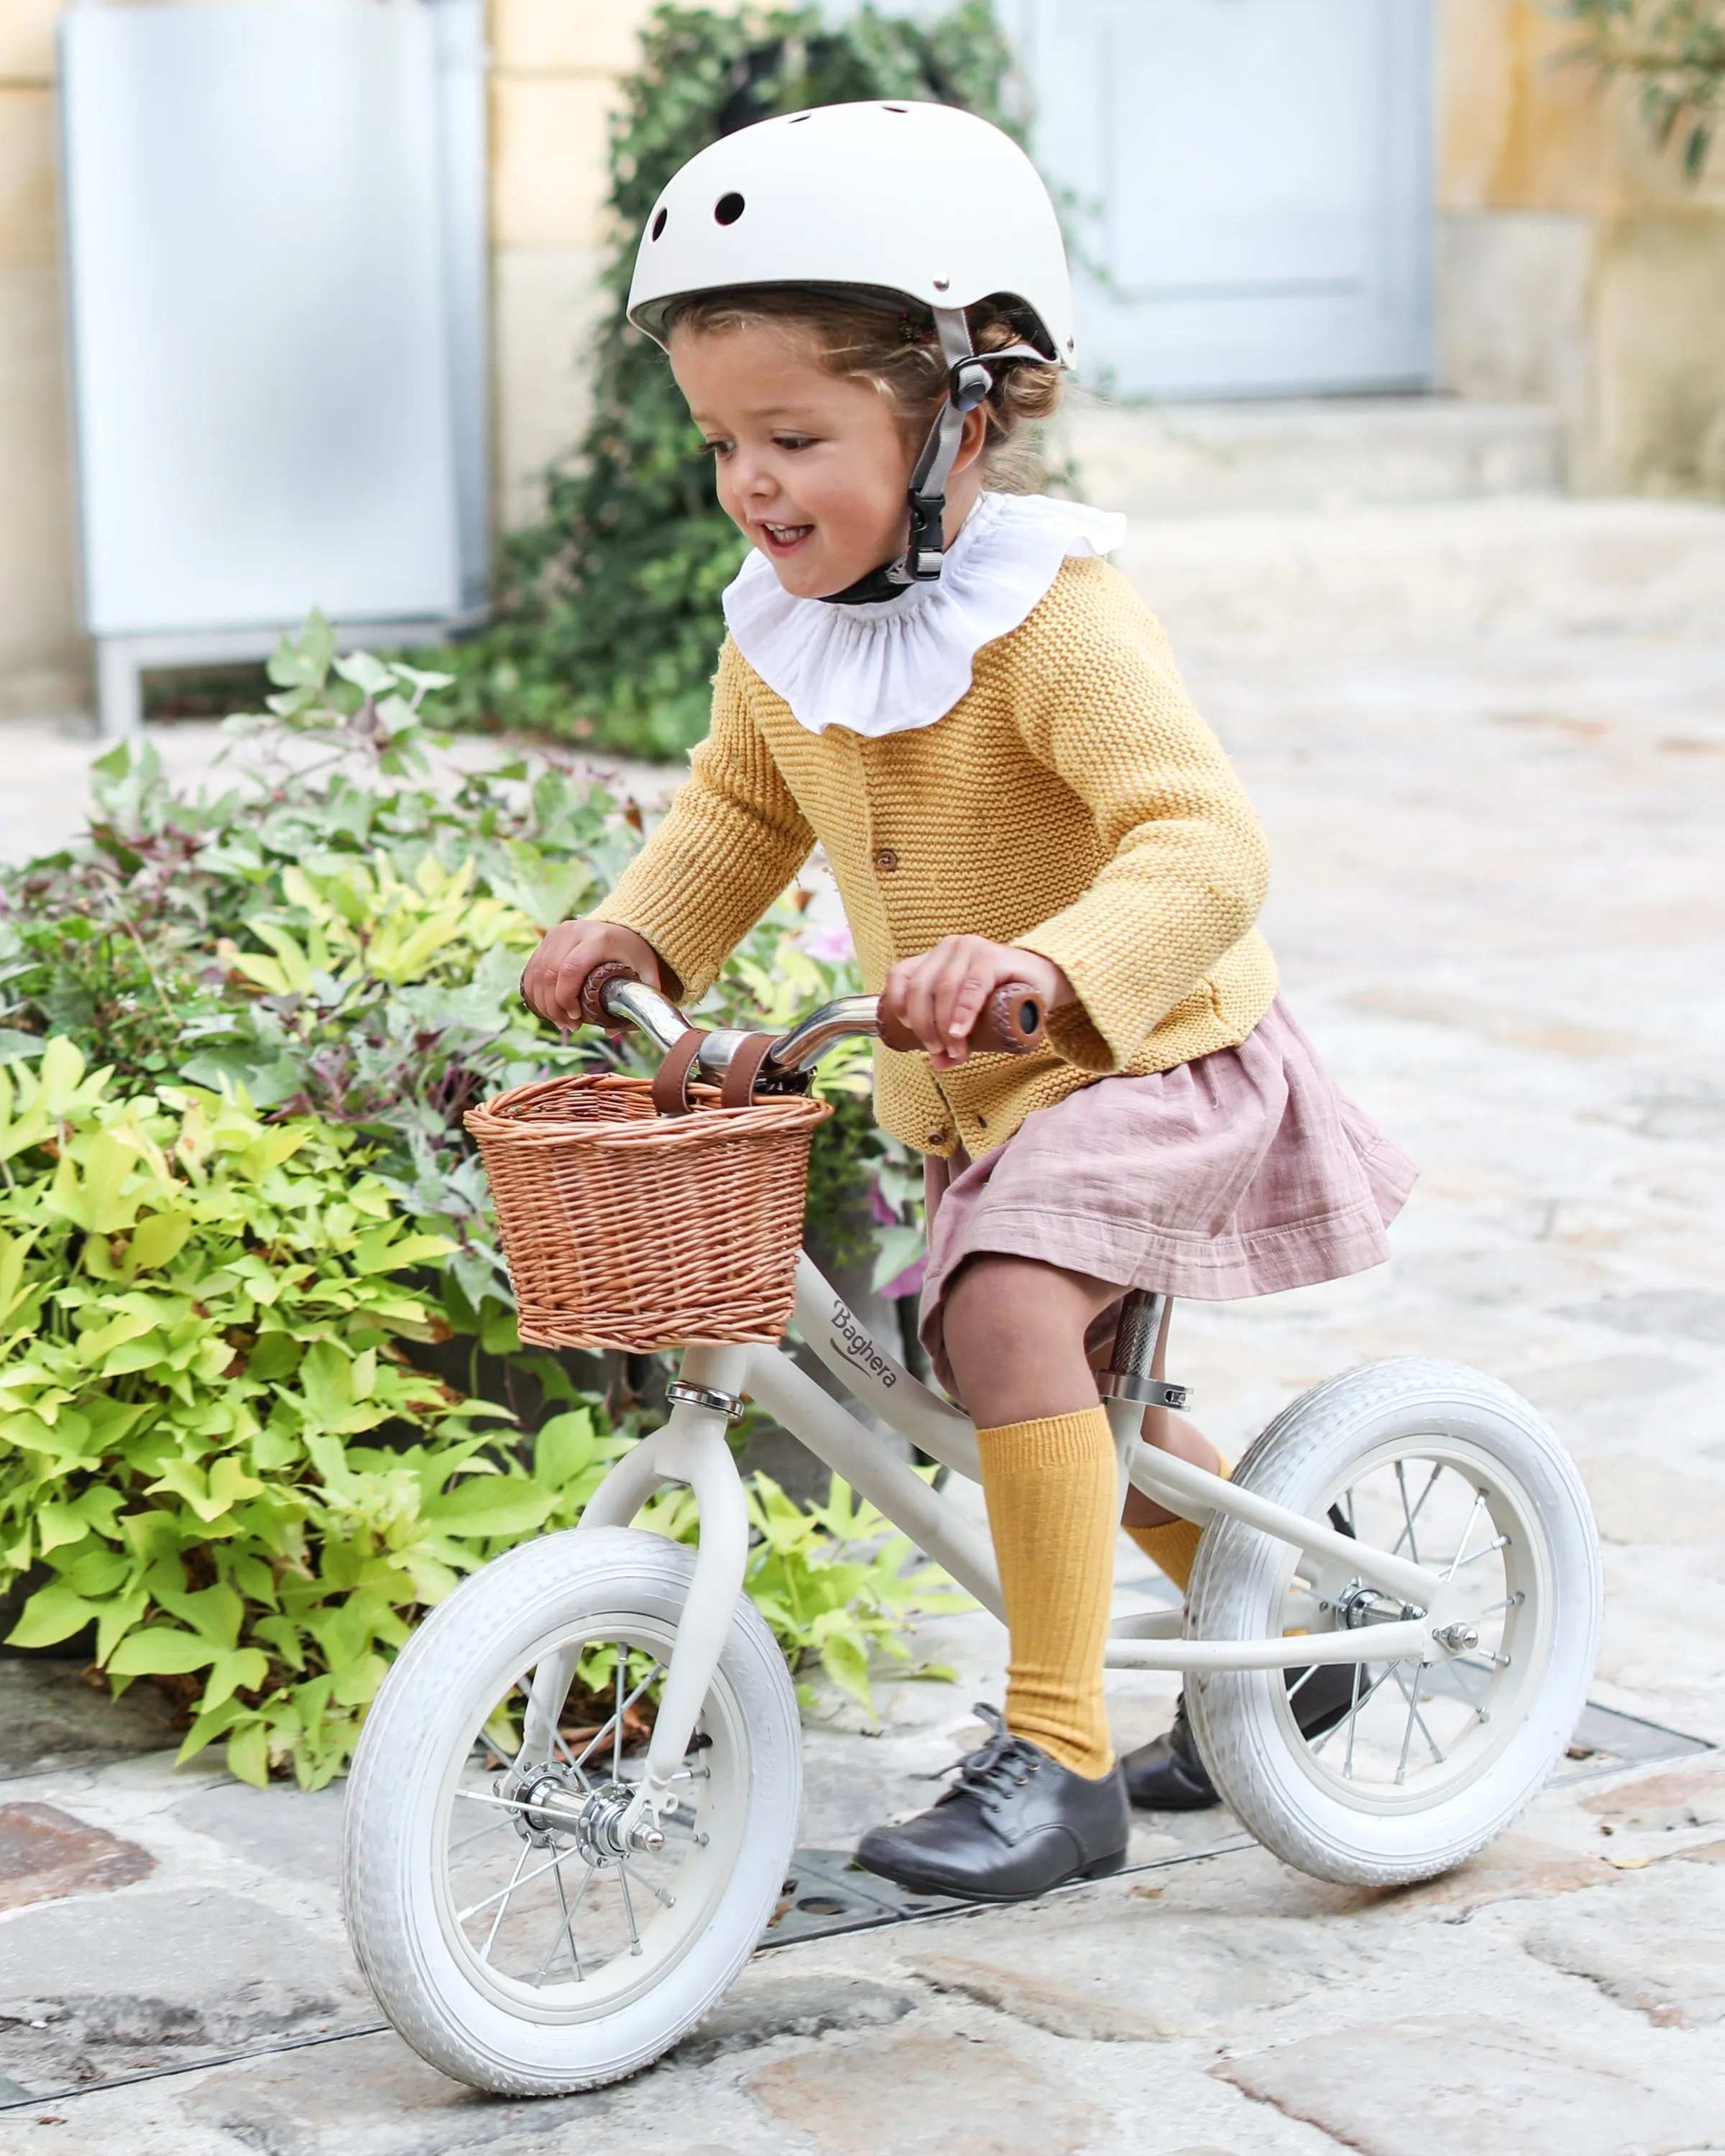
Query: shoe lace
x=989, y=1774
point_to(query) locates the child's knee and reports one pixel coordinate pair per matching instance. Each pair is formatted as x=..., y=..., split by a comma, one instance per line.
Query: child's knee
x=991, y=1310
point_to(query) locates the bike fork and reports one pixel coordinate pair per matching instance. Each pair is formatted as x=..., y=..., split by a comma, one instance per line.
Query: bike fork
x=690, y=1447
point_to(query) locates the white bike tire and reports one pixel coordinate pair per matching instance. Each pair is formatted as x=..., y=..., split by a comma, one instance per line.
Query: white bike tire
x=424, y=1724
x=1241, y=1720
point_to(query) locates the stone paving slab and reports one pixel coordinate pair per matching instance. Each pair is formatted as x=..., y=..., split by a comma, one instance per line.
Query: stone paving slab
x=1497, y=909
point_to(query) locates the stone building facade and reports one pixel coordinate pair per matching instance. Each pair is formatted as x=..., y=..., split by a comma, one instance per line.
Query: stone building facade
x=1573, y=266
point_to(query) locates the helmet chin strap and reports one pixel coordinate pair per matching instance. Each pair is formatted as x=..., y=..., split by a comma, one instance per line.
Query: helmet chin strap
x=970, y=376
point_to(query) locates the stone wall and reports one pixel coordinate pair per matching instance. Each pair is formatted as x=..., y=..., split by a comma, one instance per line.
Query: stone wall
x=43, y=662
x=557, y=63
x=1575, y=265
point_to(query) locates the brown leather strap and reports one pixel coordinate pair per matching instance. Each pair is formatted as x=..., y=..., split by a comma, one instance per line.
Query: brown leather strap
x=670, y=1084
x=738, y=1091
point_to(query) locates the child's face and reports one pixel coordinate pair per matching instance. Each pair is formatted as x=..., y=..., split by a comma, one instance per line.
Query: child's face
x=811, y=467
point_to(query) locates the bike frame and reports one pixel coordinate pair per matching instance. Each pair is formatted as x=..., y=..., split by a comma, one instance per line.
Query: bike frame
x=1341, y=1584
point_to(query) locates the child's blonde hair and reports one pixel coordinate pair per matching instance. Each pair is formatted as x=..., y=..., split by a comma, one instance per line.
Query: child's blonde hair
x=896, y=348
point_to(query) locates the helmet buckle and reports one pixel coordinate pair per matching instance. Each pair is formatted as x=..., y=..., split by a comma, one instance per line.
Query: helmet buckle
x=968, y=383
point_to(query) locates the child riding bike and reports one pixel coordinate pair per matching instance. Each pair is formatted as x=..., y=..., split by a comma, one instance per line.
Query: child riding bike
x=948, y=688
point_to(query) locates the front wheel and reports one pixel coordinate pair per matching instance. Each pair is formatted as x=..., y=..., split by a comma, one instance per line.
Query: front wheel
x=1415, y=1766
x=510, y=1941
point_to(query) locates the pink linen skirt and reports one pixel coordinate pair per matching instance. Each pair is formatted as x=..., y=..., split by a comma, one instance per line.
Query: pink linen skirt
x=1241, y=1173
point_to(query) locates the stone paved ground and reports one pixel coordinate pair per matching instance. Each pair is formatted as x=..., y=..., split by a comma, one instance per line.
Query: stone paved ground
x=1491, y=752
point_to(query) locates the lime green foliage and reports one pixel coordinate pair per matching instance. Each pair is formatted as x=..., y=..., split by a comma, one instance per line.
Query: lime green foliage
x=1675, y=50
x=832, y=1581
x=609, y=620
x=200, y=1324
x=236, y=1199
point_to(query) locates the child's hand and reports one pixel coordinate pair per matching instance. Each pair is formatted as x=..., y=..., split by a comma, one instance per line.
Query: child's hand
x=941, y=995
x=558, y=970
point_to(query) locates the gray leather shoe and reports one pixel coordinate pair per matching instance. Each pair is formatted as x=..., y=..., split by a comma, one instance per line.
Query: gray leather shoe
x=1014, y=1823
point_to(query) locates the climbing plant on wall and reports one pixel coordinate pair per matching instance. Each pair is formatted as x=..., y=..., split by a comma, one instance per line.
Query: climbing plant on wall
x=609, y=618
x=1675, y=50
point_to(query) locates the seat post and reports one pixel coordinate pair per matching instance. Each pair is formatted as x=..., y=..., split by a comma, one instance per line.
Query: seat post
x=1128, y=1375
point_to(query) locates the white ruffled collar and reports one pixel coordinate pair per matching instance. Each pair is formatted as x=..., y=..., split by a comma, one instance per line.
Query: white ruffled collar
x=902, y=664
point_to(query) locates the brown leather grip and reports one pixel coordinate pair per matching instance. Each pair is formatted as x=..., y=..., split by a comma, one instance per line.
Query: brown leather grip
x=738, y=1090
x=671, y=1082
x=593, y=992
x=1013, y=1022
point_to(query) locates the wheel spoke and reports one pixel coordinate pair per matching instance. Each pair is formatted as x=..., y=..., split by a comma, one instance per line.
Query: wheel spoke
x=503, y=1893
x=658, y=1894
x=600, y=1734
x=1501, y=1543
x=1412, y=1694
x=558, y=1739
x=1401, y=1765
x=567, y=1928
x=1410, y=1516
x=1354, y=1719
x=1509, y=1602
x=629, y=1907
x=1479, y=1500
x=502, y=1901
x=467, y=1841
x=1317, y=1743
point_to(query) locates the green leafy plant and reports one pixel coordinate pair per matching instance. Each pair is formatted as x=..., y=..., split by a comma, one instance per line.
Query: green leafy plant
x=836, y=1584
x=202, y=1325
x=1675, y=51
x=609, y=617
x=239, y=1214
x=202, y=1313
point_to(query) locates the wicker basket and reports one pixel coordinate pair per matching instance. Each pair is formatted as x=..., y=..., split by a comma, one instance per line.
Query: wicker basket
x=626, y=1228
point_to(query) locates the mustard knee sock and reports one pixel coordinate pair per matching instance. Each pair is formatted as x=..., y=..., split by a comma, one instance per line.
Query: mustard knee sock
x=1172, y=1547
x=1052, y=1488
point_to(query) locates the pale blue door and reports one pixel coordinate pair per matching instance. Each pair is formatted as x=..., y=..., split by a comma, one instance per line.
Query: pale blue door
x=1250, y=182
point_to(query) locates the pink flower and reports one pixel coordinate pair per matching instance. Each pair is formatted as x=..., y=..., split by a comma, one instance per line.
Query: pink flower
x=831, y=945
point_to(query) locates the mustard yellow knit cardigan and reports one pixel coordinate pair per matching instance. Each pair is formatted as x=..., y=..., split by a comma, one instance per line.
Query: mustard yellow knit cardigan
x=1071, y=802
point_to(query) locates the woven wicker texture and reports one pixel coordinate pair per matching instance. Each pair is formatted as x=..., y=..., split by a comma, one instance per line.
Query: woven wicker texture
x=625, y=1229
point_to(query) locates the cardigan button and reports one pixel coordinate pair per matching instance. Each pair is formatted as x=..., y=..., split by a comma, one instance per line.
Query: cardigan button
x=936, y=1138
x=886, y=860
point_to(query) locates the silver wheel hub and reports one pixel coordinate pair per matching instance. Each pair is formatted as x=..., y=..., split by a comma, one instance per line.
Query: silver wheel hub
x=555, y=1805
x=1363, y=1605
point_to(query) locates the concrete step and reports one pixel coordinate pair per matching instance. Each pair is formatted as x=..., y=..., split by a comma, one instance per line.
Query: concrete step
x=1315, y=452
x=1385, y=576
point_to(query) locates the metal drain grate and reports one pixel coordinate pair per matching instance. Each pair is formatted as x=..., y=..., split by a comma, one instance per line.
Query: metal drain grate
x=826, y=1891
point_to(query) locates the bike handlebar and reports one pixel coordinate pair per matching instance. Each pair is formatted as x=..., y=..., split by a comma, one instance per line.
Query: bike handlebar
x=1012, y=1024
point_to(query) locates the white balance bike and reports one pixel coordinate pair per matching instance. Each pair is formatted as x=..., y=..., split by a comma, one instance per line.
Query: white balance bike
x=576, y=1797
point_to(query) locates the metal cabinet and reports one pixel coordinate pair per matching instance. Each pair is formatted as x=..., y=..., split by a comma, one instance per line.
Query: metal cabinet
x=275, y=252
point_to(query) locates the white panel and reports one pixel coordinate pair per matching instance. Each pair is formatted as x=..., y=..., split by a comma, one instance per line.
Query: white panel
x=1248, y=183
x=260, y=351
x=464, y=162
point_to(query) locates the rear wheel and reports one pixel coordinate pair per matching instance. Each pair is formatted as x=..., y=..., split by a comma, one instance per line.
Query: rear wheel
x=1428, y=1762
x=508, y=1935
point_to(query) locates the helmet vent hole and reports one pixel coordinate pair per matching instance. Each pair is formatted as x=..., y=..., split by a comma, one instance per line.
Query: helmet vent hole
x=797, y=118
x=659, y=223
x=892, y=108
x=728, y=208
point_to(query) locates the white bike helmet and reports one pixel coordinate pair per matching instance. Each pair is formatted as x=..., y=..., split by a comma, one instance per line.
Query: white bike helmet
x=896, y=202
